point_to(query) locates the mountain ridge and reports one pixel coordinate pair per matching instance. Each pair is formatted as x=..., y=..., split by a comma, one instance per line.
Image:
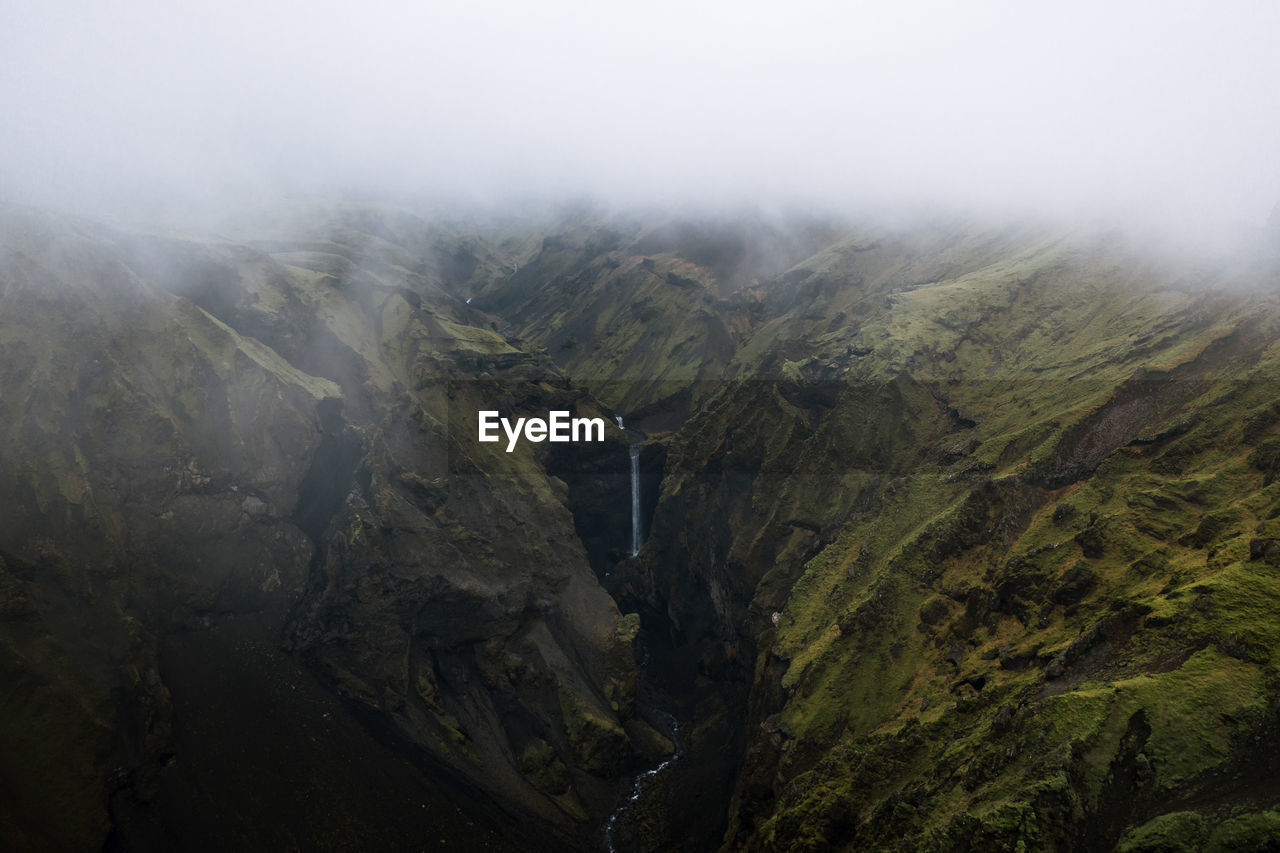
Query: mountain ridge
x=938, y=519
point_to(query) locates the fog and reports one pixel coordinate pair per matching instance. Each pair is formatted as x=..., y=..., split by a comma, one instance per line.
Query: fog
x=1153, y=111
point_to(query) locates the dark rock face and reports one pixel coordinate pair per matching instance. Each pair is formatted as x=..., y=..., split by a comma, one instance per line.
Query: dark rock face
x=599, y=481
x=1265, y=549
x=245, y=455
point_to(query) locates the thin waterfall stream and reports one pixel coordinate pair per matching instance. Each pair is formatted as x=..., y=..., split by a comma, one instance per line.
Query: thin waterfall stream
x=634, y=441
x=641, y=781
x=635, y=499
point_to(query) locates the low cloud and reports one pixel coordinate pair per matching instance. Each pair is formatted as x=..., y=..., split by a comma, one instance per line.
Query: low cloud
x=1164, y=111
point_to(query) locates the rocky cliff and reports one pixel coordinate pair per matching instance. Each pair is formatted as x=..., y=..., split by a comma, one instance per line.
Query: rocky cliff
x=232, y=494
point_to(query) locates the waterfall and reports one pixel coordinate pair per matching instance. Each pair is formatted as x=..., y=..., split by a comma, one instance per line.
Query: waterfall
x=635, y=499
x=633, y=445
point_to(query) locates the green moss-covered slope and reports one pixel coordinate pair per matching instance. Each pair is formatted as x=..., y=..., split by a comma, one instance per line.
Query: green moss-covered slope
x=970, y=535
x=1040, y=496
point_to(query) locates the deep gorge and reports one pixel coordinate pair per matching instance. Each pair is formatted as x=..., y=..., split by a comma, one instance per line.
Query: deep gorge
x=952, y=538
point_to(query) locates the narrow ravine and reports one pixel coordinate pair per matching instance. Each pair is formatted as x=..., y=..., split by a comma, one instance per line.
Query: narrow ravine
x=670, y=724
x=642, y=780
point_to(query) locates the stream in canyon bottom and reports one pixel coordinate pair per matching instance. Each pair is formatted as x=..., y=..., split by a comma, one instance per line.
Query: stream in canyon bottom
x=643, y=779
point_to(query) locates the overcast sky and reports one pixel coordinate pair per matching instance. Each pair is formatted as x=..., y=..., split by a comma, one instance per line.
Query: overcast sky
x=1072, y=106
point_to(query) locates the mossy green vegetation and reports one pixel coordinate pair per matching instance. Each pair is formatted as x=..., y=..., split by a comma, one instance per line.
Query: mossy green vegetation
x=599, y=742
x=543, y=768
x=1052, y=626
x=988, y=502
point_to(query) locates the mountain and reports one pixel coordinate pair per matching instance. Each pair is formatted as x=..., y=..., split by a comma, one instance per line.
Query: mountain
x=956, y=537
